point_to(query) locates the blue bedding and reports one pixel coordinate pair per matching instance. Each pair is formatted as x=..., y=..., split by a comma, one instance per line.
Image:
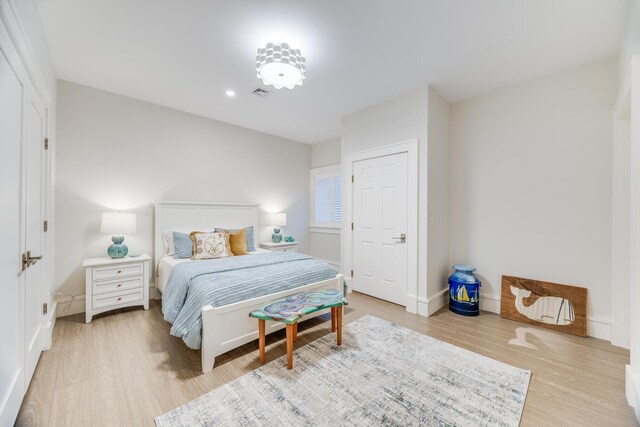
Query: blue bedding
x=224, y=281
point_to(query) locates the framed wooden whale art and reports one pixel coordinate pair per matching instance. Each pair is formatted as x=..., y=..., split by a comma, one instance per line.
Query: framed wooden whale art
x=549, y=305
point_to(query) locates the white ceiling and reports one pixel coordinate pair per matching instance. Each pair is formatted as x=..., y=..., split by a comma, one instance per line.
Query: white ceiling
x=185, y=54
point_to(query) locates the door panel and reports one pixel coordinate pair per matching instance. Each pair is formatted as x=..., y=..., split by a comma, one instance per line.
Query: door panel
x=34, y=138
x=380, y=216
x=11, y=276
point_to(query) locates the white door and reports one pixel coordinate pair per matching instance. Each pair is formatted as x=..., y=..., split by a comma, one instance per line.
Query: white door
x=380, y=220
x=34, y=134
x=12, y=384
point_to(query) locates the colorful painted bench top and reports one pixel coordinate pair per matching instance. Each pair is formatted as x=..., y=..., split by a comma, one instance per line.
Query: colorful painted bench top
x=290, y=309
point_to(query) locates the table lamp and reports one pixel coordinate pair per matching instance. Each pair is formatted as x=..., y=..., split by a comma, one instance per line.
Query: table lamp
x=277, y=220
x=117, y=224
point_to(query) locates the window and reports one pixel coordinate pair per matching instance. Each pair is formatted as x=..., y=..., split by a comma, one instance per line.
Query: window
x=326, y=197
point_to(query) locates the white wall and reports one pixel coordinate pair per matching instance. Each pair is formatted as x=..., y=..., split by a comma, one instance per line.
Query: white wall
x=118, y=153
x=325, y=245
x=631, y=41
x=621, y=241
x=326, y=153
x=438, y=200
x=530, y=184
x=398, y=119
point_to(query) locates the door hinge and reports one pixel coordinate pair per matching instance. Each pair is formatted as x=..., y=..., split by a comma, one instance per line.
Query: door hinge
x=351, y=273
x=353, y=178
x=45, y=226
x=46, y=143
x=45, y=308
x=352, y=226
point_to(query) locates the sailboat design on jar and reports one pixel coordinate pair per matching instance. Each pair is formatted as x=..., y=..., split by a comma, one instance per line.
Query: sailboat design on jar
x=464, y=291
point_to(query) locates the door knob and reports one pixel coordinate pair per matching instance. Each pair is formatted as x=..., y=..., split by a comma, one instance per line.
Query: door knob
x=28, y=260
x=402, y=238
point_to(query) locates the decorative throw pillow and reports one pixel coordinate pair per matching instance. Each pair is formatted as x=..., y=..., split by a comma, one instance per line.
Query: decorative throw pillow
x=210, y=245
x=238, y=241
x=182, y=245
x=251, y=246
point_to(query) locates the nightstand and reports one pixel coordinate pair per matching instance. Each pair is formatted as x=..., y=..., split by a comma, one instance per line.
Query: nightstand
x=116, y=283
x=282, y=246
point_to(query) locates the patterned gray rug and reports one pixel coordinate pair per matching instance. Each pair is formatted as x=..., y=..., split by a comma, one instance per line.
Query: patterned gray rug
x=383, y=374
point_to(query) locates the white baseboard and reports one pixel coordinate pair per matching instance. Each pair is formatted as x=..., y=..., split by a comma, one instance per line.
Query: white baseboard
x=426, y=307
x=632, y=389
x=423, y=306
x=437, y=301
x=596, y=328
x=48, y=329
x=599, y=328
x=489, y=303
x=76, y=307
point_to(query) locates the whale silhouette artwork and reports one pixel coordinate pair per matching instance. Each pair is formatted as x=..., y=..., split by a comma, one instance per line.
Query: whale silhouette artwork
x=552, y=310
x=545, y=304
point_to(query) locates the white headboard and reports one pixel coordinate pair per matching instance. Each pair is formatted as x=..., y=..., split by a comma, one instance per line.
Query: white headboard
x=201, y=216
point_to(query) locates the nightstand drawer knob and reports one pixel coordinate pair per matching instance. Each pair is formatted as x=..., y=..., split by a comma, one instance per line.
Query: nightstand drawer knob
x=119, y=298
x=119, y=271
x=119, y=284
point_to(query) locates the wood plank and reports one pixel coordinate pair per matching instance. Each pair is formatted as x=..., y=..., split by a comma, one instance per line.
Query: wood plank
x=74, y=357
x=36, y=406
x=109, y=405
x=71, y=406
x=576, y=381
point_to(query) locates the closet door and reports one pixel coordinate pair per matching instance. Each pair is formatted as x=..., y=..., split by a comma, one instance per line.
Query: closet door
x=34, y=127
x=12, y=378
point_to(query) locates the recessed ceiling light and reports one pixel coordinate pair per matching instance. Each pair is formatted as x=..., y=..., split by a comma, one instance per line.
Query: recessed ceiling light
x=230, y=93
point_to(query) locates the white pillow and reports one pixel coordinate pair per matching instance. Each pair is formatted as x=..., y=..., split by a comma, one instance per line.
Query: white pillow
x=167, y=242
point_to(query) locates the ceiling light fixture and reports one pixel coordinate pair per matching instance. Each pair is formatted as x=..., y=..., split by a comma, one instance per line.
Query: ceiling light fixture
x=280, y=66
x=230, y=93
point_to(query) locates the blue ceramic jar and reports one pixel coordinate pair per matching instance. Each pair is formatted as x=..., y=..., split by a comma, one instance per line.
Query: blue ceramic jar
x=464, y=291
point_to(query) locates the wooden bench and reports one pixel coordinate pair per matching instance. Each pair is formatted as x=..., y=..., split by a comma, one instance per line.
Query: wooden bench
x=291, y=309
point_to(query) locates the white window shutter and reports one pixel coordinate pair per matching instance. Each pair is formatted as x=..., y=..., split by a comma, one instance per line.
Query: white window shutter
x=323, y=200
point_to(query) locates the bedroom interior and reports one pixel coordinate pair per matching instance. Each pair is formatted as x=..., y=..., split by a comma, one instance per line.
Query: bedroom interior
x=231, y=213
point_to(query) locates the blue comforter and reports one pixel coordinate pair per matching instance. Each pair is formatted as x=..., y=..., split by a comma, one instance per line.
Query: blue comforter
x=224, y=281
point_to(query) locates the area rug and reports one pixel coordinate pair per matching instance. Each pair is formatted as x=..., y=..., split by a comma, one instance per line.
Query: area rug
x=383, y=374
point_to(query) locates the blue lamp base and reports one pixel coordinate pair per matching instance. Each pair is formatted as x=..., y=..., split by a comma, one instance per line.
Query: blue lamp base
x=276, y=237
x=118, y=249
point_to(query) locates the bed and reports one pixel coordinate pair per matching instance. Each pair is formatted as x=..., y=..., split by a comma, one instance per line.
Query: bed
x=208, y=302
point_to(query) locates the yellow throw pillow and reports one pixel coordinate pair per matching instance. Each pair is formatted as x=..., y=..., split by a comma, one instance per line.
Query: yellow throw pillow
x=238, y=242
x=210, y=245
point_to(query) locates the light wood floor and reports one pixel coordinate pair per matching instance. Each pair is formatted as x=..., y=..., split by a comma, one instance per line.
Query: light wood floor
x=125, y=369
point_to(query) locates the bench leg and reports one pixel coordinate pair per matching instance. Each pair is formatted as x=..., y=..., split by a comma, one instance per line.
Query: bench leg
x=295, y=332
x=339, y=316
x=333, y=319
x=289, y=346
x=261, y=339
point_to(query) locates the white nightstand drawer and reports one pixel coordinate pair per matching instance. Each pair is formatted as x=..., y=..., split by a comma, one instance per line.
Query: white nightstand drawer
x=117, y=285
x=117, y=298
x=113, y=272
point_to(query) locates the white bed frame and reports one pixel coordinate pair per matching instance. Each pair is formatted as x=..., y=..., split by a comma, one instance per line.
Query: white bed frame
x=227, y=327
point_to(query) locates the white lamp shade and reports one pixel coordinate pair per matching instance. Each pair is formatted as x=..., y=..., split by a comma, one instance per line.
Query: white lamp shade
x=276, y=219
x=118, y=223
